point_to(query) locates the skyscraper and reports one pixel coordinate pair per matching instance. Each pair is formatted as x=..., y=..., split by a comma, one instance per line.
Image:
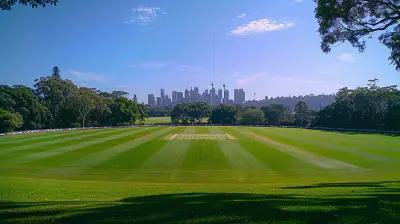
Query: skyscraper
x=179, y=97
x=159, y=102
x=219, y=96
x=226, y=96
x=187, y=95
x=236, y=96
x=174, y=96
x=191, y=95
x=242, y=96
x=151, y=100
x=135, y=98
x=196, y=93
x=162, y=96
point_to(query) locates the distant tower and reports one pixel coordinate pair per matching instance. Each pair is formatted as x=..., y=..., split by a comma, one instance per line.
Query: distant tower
x=212, y=87
x=254, y=96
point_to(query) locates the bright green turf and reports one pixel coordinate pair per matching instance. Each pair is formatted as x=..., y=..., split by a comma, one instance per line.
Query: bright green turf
x=138, y=175
x=158, y=120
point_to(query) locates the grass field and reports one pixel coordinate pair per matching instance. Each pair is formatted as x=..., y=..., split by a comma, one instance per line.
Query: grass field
x=199, y=175
x=158, y=120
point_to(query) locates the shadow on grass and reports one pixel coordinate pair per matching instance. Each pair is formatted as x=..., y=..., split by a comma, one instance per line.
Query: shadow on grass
x=366, y=132
x=377, y=205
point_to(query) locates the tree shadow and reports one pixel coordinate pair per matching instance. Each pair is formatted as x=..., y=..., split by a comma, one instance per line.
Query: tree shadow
x=358, y=132
x=378, y=206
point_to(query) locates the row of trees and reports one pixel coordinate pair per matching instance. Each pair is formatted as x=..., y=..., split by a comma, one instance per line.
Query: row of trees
x=58, y=103
x=370, y=107
x=275, y=114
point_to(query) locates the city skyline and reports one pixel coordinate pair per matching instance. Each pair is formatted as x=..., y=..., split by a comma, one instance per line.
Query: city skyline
x=267, y=47
x=211, y=96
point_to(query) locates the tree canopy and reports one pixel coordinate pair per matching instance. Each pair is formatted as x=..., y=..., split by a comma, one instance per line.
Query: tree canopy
x=8, y=4
x=354, y=21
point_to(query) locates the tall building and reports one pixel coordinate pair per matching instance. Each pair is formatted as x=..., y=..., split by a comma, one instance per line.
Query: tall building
x=242, y=96
x=174, y=96
x=151, y=101
x=179, y=97
x=159, y=102
x=162, y=96
x=135, y=98
x=187, y=95
x=167, y=100
x=226, y=96
x=219, y=95
x=236, y=96
x=191, y=95
x=196, y=96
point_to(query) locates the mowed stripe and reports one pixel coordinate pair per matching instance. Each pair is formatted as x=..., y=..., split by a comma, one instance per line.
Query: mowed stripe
x=315, y=140
x=40, y=144
x=372, y=150
x=102, y=156
x=74, y=155
x=59, y=151
x=302, y=154
x=238, y=158
x=44, y=135
x=277, y=161
x=170, y=156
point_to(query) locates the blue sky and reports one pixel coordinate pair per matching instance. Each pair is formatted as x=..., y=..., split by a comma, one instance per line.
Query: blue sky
x=266, y=47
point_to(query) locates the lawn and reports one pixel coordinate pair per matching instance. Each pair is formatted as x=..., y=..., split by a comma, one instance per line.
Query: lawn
x=158, y=120
x=199, y=175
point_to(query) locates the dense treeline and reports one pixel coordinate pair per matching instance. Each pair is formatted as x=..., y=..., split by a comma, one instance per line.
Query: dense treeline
x=58, y=103
x=370, y=107
x=314, y=102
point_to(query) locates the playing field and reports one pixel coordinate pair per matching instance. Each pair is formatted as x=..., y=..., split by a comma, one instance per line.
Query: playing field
x=200, y=175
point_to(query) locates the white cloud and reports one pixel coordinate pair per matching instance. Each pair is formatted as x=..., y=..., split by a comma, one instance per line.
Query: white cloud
x=241, y=15
x=246, y=80
x=151, y=64
x=298, y=0
x=260, y=26
x=88, y=76
x=346, y=57
x=145, y=15
x=190, y=68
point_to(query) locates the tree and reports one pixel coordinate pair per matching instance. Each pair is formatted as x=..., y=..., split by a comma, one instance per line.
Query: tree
x=224, y=114
x=56, y=72
x=8, y=4
x=353, y=20
x=180, y=113
x=54, y=92
x=83, y=101
x=252, y=116
x=123, y=111
x=302, y=114
x=276, y=114
x=9, y=121
x=198, y=111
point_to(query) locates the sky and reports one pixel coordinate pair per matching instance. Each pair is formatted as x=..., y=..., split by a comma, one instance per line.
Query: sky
x=267, y=47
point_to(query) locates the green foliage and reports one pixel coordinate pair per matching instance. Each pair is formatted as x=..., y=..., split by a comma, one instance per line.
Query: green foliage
x=353, y=20
x=194, y=112
x=302, y=114
x=370, y=107
x=10, y=121
x=8, y=4
x=123, y=112
x=277, y=114
x=252, y=116
x=83, y=101
x=54, y=93
x=56, y=72
x=224, y=114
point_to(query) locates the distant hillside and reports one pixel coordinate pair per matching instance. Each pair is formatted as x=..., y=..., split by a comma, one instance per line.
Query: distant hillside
x=314, y=102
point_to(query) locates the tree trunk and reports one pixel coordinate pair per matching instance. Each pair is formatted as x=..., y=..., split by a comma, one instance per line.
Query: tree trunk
x=83, y=121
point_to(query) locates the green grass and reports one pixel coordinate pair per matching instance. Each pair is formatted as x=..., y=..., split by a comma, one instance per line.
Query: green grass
x=158, y=120
x=137, y=175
